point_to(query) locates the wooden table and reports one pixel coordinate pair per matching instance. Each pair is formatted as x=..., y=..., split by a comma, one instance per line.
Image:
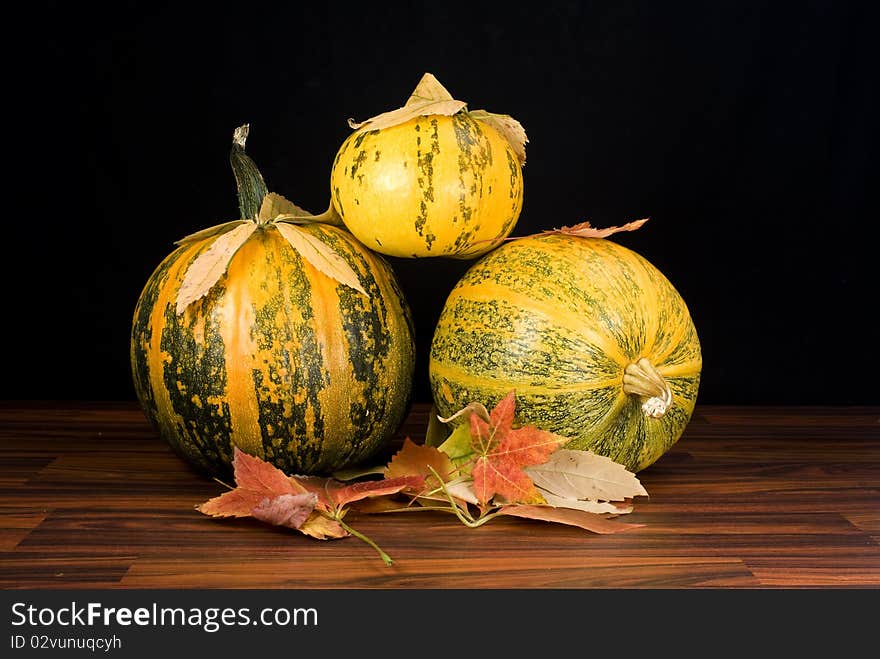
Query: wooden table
x=749, y=497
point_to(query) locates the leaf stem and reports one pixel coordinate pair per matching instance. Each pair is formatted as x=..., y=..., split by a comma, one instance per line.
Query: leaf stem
x=385, y=557
x=412, y=509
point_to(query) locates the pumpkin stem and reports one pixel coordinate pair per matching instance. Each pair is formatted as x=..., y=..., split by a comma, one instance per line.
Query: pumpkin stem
x=329, y=216
x=251, y=187
x=642, y=379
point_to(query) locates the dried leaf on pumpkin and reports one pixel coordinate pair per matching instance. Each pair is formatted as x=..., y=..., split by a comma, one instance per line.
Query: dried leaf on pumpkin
x=586, y=230
x=320, y=255
x=432, y=98
x=210, y=265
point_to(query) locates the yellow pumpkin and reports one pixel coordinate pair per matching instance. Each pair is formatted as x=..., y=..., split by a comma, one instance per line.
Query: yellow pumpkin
x=432, y=186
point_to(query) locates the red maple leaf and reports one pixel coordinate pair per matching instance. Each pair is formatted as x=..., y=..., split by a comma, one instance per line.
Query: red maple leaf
x=502, y=452
x=368, y=489
x=256, y=480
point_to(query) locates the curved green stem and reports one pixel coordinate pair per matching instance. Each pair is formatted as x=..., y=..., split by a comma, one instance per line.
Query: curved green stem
x=413, y=509
x=385, y=557
x=251, y=187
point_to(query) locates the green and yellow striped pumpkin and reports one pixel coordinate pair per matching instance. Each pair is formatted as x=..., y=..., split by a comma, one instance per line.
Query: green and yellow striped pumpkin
x=596, y=342
x=278, y=359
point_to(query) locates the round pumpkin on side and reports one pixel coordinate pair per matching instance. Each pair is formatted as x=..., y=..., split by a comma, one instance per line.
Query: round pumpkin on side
x=276, y=357
x=596, y=342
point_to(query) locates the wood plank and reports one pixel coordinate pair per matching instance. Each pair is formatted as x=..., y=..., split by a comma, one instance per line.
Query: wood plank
x=827, y=572
x=866, y=519
x=17, y=523
x=412, y=571
x=749, y=497
x=62, y=570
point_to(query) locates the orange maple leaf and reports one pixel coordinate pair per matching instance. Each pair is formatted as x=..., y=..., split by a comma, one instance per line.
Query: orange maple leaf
x=419, y=460
x=502, y=452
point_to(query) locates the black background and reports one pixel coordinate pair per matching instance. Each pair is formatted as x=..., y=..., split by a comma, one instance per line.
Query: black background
x=745, y=130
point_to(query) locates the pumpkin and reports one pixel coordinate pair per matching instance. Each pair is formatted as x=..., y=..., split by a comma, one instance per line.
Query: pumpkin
x=596, y=342
x=434, y=185
x=277, y=358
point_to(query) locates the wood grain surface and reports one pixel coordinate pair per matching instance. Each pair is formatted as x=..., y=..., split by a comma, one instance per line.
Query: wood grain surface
x=750, y=497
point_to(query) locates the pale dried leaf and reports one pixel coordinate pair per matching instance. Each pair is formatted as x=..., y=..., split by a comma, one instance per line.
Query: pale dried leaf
x=291, y=510
x=585, y=520
x=465, y=413
x=429, y=97
x=429, y=89
x=573, y=474
x=211, y=264
x=275, y=206
x=215, y=230
x=464, y=490
x=320, y=255
x=509, y=128
x=586, y=230
x=587, y=505
x=404, y=114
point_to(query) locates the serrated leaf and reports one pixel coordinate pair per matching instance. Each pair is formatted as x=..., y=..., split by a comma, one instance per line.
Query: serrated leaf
x=419, y=460
x=585, y=520
x=463, y=489
x=322, y=528
x=234, y=503
x=503, y=452
x=586, y=230
x=574, y=474
x=428, y=89
x=404, y=114
x=275, y=206
x=357, y=491
x=458, y=445
x=429, y=97
x=255, y=480
x=291, y=510
x=210, y=265
x=509, y=128
x=266, y=493
x=320, y=485
x=215, y=230
x=320, y=255
x=586, y=505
